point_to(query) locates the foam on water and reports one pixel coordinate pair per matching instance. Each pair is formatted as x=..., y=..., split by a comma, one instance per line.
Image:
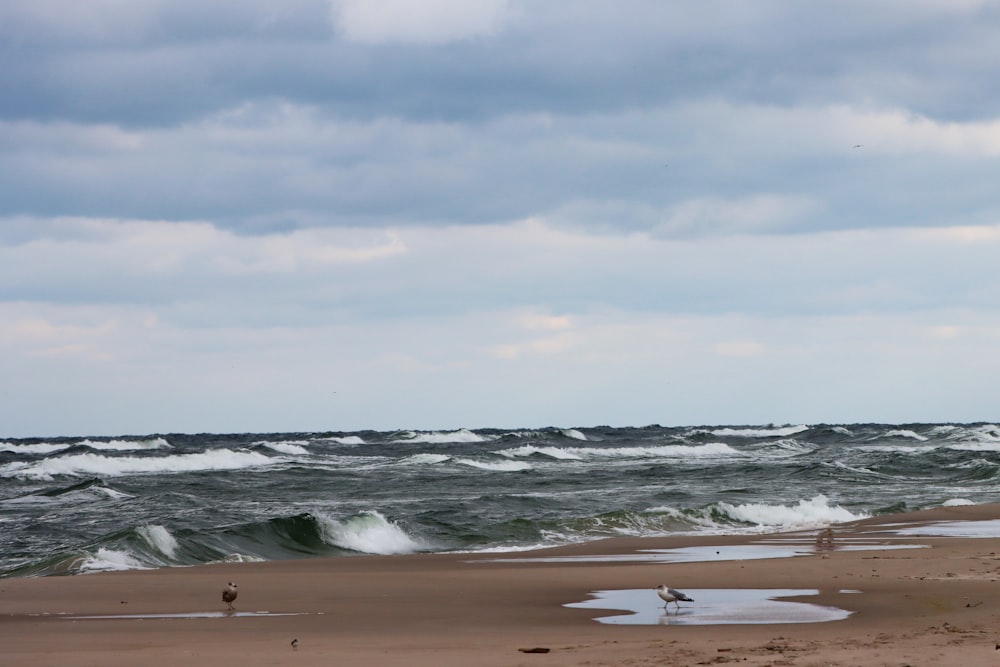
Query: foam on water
x=573, y=434
x=439, y=437
x=807, y=513
x=110, y=560
x=290, y=448
x=425, y=459
x=344, y=440
x=774, y=432
x=160, y=539
x=903, y=433
x=96, y=464
x=125, y=445
x=706, y=451
x=499, y=466
x=34, y=450
x=368, y=532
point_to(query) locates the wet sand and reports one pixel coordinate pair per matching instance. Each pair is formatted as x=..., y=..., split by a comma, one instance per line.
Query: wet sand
x=938, y=605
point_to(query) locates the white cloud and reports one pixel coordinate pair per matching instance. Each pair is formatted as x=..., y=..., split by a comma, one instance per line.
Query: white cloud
x=418, y=21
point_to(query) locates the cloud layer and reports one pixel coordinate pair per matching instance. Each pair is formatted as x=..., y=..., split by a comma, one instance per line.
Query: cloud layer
x=343, y=215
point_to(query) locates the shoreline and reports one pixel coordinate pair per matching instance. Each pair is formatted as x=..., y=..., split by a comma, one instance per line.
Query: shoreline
x=935, y=605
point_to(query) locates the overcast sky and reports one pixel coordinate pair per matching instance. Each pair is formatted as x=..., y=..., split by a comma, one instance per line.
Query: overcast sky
x=310, y=215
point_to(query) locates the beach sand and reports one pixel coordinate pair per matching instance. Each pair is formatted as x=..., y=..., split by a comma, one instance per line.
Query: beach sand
x=938, y=605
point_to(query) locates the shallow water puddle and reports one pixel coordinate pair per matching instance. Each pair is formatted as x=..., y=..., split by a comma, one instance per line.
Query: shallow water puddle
x=984, y=528
x=713, y=553
x=712, y=606
x=194, y=614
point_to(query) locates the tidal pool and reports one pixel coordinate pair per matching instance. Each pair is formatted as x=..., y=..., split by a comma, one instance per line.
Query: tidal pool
x=712, y=606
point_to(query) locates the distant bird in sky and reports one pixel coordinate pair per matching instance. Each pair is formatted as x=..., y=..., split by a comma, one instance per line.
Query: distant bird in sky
x=229, y=594
x=669, y=595
x=858, y=145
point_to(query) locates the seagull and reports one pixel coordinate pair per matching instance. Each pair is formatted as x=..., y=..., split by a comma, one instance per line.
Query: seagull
x=669, y=595
x=229, y=594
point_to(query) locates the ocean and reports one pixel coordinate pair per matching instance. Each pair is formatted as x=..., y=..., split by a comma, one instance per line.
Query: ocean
x=79, y=505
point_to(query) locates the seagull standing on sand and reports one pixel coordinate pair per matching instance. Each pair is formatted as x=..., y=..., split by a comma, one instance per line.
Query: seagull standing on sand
x=229, y=594
x=669, y=595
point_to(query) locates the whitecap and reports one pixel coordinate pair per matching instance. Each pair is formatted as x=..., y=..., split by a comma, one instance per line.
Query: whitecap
x=36, y=449
x=99, y=465
x=708, y=450
x=290, y=448
x=369, y=532
x=345, y=440
x=160, y=539
x=772, y=432
x=531, y=450
x=573, y=434
x=424, y=459
x=125, y=445
x=816, y=511
x=956, y=502
x=499, y=466
x=441, y=437
x=110, y=560
x=903, y=433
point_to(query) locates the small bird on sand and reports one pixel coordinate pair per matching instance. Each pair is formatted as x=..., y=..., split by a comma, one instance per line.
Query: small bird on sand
x=669, y=595
x=229, y=594
x=295, y=644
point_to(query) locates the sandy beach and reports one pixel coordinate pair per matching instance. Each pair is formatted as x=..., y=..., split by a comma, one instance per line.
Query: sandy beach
x=936, y=605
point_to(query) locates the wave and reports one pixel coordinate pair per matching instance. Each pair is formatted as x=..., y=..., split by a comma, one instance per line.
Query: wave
x=498, y=466
x=573, y=434
x=368, y=532
x=96, y=464
x=37, y=449
x=709, y=450
x=440, y=437
x=125, y=445
x=151, y=546
x=160, y=539
x=292, y=448
x=90, y=490
x=424, y=459
x=814, y=512
x=772, y=432
x=902, y=433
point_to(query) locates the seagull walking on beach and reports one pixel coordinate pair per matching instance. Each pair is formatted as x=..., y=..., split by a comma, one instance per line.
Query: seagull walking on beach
x=669, y=595
x=229, y=594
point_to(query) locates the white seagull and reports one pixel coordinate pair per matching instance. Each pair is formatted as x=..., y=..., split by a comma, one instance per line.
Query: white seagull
x=669, y=595
x=229, y=594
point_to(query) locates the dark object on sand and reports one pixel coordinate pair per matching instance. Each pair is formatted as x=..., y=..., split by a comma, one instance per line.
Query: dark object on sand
x=229, y=594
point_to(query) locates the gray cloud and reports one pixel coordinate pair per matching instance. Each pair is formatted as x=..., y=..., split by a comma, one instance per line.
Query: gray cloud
x=716, y=192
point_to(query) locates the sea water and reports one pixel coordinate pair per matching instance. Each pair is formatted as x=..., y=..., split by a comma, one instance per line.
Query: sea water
x=83, y=504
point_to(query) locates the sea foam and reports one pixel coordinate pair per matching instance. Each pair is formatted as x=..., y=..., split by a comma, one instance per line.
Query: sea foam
x=498, y=466
x=774, y=432
x=807, y=513
x=97, y=464
x=36, y=449
x=160, y=539
x=709, y=450
x=110, y=560
x=439, y=437
x=368, y=532
x=125, y=445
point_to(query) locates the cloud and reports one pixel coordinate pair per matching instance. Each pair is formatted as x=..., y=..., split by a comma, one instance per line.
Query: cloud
x=418, y=21
x=447, y=203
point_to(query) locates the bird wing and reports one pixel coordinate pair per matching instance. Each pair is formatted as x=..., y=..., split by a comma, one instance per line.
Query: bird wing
x=679, y=595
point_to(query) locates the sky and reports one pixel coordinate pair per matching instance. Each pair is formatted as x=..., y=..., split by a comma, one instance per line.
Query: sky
x=337, y=215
